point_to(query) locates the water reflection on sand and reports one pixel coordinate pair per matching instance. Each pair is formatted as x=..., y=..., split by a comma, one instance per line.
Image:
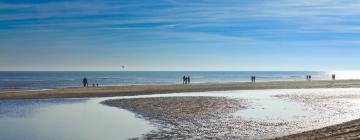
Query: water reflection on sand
x=279, y=112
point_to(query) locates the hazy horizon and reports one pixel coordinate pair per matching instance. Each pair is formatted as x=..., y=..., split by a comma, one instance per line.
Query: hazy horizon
x=176, y=35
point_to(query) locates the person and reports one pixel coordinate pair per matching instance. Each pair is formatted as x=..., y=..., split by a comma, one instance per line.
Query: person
x=85, y=82
x=310, y=77
x=307, y=77
x=333, y=77
x=188, y=79
x=97, y=84
x=184, y=79
x=254, y=78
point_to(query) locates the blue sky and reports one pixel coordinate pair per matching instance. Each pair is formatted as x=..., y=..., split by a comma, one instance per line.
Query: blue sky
x=179, y=35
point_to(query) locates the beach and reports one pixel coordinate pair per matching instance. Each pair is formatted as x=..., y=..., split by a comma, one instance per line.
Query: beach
x=195, y=117
x=186, y=117
x=344, y=131
x=110, y=91
x=349, y=130
x=173, y=69
x=212, y=115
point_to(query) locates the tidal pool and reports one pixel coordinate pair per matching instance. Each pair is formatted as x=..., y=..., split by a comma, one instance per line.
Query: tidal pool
x=67, y=119
x=86, y=119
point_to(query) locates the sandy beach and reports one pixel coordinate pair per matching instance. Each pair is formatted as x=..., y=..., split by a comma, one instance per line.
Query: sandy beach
x=79, y=92
x=200, y=109
x=194, y=117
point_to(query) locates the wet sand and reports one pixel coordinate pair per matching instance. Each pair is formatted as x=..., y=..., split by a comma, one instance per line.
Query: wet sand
x=195, y=116
x=209, y=117
x=158, y=89
x=186, y=117
x=345, y=131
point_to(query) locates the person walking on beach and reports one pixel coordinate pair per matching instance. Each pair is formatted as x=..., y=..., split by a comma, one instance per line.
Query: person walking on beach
x=333, y=77
x=309, y=77
x=85, y=82
x=188, y=79
x=254, y=78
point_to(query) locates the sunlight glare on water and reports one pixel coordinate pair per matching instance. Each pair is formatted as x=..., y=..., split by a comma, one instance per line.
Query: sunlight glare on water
x=346, y=74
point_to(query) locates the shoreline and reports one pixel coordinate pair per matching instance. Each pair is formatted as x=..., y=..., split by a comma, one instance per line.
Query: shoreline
x=111, y=91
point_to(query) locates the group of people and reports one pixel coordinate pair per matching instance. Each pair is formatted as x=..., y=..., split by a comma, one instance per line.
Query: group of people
x=253, y=78
x=86, y=84
x=186, y=79
x=308, y=77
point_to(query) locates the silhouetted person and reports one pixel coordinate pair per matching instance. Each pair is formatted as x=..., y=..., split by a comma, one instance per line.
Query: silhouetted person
x=188, y=79
x=333, y=77
x=254, y=78
x=184, y=79
x=310, y=77
x=85, y=82
x=97, y=84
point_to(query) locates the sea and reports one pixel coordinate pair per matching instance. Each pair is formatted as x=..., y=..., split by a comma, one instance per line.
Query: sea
x=58, y=79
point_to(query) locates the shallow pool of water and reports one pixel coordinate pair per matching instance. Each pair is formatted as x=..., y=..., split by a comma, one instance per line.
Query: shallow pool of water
x=65, y=119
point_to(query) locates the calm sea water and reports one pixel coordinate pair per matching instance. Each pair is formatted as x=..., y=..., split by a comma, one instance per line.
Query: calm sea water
x=43, y=80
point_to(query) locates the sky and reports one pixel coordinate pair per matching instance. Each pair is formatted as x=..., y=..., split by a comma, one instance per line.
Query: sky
x=175, y=35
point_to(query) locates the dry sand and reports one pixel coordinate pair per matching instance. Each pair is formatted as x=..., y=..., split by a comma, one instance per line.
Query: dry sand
x=158, y=89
